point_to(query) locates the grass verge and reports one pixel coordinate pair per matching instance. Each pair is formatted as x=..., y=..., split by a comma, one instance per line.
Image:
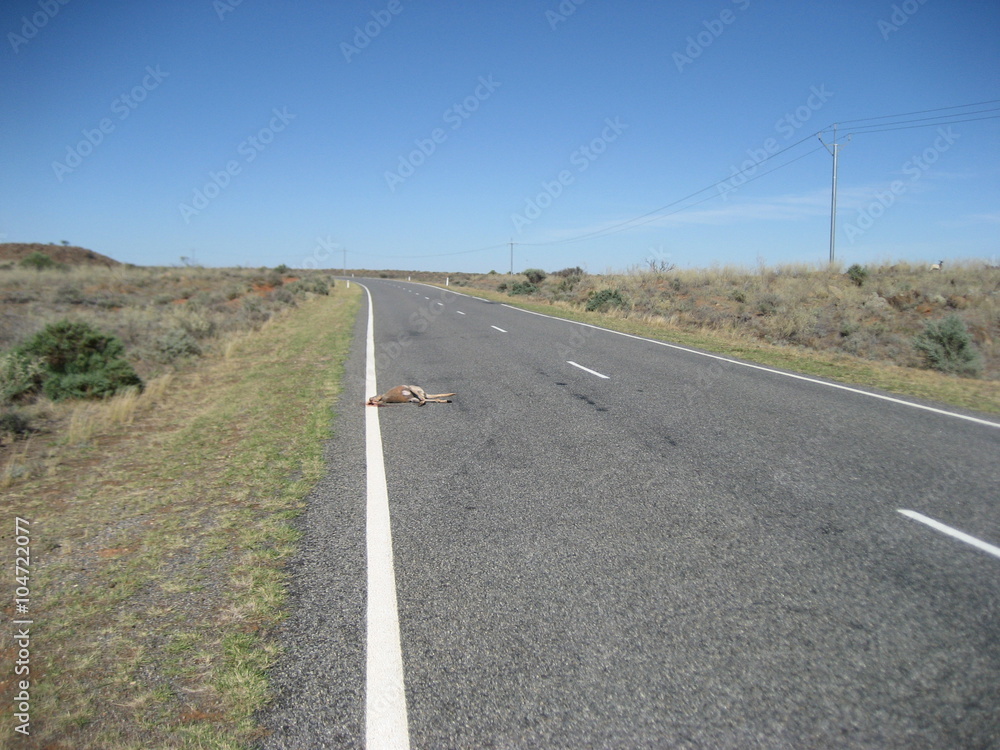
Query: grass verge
x=981, y=395
x=158, y=542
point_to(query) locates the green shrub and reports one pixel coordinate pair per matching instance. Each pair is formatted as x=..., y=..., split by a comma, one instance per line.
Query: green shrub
x=605, y=299
x=535, y=275
x=39, y=261
x=79, y=361
x=857, y=274
x=523, y=287
x=947, y=346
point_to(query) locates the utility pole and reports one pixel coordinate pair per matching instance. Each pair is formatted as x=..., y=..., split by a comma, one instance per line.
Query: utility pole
x=512, y=257
x=834, y=150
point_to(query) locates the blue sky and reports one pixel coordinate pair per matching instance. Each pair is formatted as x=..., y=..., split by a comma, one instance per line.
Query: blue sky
x=427, y=135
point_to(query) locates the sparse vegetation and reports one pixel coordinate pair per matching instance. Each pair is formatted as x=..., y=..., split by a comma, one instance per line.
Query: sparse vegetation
x=818, y=319
x=161, y=520
x=869, y=312
x=132, y=325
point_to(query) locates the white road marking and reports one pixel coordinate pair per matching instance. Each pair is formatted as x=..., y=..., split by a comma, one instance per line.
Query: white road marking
x=767, y=369
x=385, y=694
x=460, y=312
x=587, y=369
x=499, y=329
x=979, y=543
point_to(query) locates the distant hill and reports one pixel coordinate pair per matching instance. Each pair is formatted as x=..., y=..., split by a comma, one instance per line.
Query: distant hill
x=69, y=255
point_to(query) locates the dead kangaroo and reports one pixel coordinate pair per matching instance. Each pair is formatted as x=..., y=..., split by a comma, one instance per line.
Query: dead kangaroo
x=412, y=394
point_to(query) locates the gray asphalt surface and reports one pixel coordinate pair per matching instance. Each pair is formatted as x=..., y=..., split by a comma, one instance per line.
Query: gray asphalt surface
x=689, y=553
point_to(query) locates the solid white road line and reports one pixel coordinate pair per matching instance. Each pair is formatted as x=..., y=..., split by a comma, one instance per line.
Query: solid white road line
x=385, y=694
x=587, y=369
x=979, y=543
x=767, y=369
x=499, y=329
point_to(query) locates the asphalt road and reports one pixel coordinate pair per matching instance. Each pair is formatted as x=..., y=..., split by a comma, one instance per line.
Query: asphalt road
x=686, y=552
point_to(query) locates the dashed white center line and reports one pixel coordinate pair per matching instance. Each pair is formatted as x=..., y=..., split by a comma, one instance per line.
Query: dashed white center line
x=499, y=329
x=961, y=535
x=587, y=369
x=460, y=312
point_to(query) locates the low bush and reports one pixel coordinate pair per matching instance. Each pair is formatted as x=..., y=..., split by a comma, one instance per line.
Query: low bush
x=176, y=344
x=19, y=375
x=39, y=262
x=857, y=274
x=13, y=423
x=313, y=285
x=605, y=299
x=947, y=346
x=78, y=361
x=535, y=275
x=523, y=287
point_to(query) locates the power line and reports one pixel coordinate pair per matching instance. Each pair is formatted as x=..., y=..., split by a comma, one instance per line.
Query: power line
x=656, y=212
x=864, y=131
x=921, y=112
x=442, y=255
